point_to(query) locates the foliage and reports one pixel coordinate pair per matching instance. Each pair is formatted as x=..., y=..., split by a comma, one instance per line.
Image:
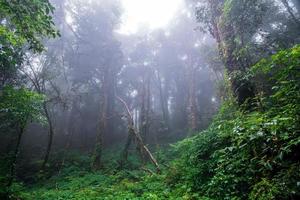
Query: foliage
x=20, y=105
x=17, y=108
x=250, y=154
x=27, y=21
x=244, y=154
x=94, y=185
x=23, y=25
x=247, y=31
x=250, y=151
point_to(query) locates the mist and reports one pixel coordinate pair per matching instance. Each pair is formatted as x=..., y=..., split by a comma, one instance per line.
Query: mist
x=128, y=89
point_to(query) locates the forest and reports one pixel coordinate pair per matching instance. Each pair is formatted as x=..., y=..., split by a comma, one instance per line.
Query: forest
x=149, y=99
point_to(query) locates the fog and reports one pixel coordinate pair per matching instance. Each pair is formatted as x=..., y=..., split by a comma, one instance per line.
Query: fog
x=131, y=77
x=161, y=69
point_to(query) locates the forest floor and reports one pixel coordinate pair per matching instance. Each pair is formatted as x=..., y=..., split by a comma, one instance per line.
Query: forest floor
x=75, y=182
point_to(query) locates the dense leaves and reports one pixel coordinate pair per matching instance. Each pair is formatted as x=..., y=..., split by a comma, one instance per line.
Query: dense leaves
x=20, y=105
x=27, y=21
x=23, y=26
x=250, y=154
x=244, y=154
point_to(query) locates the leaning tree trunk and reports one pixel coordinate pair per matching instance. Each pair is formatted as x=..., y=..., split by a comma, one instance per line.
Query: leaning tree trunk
x=133, y=133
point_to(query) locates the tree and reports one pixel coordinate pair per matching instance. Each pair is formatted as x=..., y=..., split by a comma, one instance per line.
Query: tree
x=23, y=24
x=17, y=108
x=243, y=28
x=42, y=76
x=97, y=61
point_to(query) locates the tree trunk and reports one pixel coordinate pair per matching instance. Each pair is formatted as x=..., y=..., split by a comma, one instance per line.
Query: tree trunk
x=131, y=131
x=124, y=156
x=15, y=156
x=241, y=89
x=148, y=105
x=101, y=132
x=69, y=132
x=192, y=101
x=145, y=107
x=163, y=102
x=102, y=126
x=51, y=134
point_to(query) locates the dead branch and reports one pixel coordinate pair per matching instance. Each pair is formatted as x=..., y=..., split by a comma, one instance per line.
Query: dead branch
x=132, y=131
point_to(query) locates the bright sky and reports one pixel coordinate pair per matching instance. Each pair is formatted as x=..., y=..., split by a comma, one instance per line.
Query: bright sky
x=153, y=14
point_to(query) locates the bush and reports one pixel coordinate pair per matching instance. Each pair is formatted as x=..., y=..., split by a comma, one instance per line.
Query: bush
x=249, y=153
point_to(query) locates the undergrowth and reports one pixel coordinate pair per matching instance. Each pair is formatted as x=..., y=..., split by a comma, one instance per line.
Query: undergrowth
x=244, y=154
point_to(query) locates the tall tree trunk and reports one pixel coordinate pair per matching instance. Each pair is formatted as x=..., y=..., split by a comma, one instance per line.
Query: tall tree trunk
x=225, y=38
x=192, y=98
x=143, y=109
x=51, y=134
x=69, y=131
x=145, y=106
x=135, y=121
x=15, y=156
x=70, y=125
x=148, y=106
x=102, y=126
x=100, y=135
x=163, y=102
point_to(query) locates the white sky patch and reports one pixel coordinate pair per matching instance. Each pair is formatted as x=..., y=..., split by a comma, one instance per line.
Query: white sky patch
x=134, y=93
x=69, y=18
x=153, y=14
x=184, y=57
